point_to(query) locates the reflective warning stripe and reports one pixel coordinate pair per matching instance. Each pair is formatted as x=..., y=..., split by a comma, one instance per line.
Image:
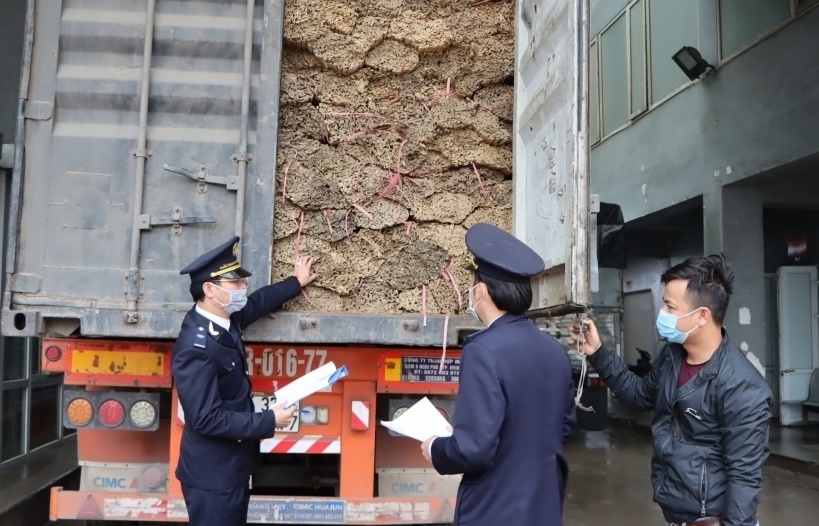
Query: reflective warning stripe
x=360, y=415
x=302, y=444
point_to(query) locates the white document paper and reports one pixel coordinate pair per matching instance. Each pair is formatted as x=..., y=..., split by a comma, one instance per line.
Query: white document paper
x=314, y=381
x=420, y=422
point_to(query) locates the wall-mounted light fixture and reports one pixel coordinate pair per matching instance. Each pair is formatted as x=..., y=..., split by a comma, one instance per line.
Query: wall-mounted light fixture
x=691, y=62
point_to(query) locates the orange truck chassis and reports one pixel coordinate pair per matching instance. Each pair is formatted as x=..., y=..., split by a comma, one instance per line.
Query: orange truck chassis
x=128, y=474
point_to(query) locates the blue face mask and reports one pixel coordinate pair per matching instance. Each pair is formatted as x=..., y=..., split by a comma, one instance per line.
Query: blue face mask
x=667, y=326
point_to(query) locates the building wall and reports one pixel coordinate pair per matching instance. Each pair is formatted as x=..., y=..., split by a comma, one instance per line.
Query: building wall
x=745, y=118
x=743, y=245
x=751, y=116
x=603, y=12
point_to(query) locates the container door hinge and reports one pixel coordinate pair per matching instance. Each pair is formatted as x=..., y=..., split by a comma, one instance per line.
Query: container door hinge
x=147, y=222
x=239, y=156
x=143, y=152
x=133, y=279
x=594, y=270
x=38, y=110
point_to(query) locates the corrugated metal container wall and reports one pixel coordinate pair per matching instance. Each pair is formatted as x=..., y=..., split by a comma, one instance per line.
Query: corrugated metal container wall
x=106, y=115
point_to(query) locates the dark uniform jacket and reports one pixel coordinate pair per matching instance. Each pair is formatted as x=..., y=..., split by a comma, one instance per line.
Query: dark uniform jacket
x=513, y=413
x=710, y=436
x=220, y=442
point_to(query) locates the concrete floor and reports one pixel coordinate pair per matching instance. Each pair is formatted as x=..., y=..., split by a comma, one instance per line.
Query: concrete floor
x=609, y=483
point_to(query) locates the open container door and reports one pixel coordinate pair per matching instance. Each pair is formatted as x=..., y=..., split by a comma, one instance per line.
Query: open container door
x=552, y=206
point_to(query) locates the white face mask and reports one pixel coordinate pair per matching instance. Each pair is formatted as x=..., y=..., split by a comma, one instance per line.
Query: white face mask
x=238, y=299
x=470, y=307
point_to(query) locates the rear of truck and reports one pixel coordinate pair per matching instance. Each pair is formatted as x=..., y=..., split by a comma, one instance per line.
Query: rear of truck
x=368, y=137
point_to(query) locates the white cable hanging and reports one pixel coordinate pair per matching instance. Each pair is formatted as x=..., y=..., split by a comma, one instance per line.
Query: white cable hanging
x=583, y=366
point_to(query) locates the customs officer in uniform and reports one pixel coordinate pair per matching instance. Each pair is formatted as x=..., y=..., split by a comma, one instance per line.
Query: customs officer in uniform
x=515, y=406
x=220, y=442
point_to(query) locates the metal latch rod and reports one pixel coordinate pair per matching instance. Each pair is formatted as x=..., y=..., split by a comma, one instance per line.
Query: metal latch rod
x=146, y=222
x=202, y=176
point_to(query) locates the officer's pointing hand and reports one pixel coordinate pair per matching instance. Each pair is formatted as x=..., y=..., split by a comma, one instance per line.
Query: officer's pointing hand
x=303, y=270
x=283, y=416
x=588, y=341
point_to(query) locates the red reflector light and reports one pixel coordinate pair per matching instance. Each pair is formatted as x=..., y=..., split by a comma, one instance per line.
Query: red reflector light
x=53, y=353
x=153, y=476
x=111, y=413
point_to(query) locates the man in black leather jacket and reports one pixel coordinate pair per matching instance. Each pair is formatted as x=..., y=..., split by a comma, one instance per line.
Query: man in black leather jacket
x=711, y=406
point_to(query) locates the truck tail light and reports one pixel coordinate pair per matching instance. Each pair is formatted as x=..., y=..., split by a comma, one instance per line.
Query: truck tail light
x=137, y=411
x=142, y=414
x=112, y=413
x=79, y=412
x=398, y=406
x=398, y=411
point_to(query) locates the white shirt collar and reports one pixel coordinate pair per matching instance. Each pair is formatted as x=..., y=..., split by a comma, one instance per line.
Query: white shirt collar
x=493, y=321
x=221, y=322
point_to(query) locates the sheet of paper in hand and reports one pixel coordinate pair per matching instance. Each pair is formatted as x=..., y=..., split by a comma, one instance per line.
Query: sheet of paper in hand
x=314, y=381
x=420, y=422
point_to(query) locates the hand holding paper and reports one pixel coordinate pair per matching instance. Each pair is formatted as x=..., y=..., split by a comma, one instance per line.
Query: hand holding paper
x=321, y=378
x=420, y=422
x=283, y=416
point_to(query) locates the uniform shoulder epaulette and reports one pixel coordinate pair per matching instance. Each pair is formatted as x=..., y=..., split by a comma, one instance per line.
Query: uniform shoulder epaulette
x=200, y=337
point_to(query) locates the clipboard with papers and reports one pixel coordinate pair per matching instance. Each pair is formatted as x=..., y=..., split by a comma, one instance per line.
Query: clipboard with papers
x=420, y=422
x=310, y=383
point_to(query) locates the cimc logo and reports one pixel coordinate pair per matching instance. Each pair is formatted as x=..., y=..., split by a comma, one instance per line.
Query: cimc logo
x=109, y=482
x=407, y=488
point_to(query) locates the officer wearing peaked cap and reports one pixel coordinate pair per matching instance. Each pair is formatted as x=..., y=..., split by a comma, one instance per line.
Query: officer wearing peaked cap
x=220, y=440
x=515, y=403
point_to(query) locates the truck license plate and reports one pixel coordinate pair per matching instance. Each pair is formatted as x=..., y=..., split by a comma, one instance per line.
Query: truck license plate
x=265, y=402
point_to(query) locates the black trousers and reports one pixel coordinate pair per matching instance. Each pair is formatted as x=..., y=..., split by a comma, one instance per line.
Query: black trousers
x=217, y=507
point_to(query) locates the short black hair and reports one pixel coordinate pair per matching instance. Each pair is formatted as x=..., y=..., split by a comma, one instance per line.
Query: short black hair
x=197, y=292
x=710, y=282
x=515, y=298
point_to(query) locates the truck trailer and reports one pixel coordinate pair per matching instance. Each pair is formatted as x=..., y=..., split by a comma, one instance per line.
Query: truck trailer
x=370, y=135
